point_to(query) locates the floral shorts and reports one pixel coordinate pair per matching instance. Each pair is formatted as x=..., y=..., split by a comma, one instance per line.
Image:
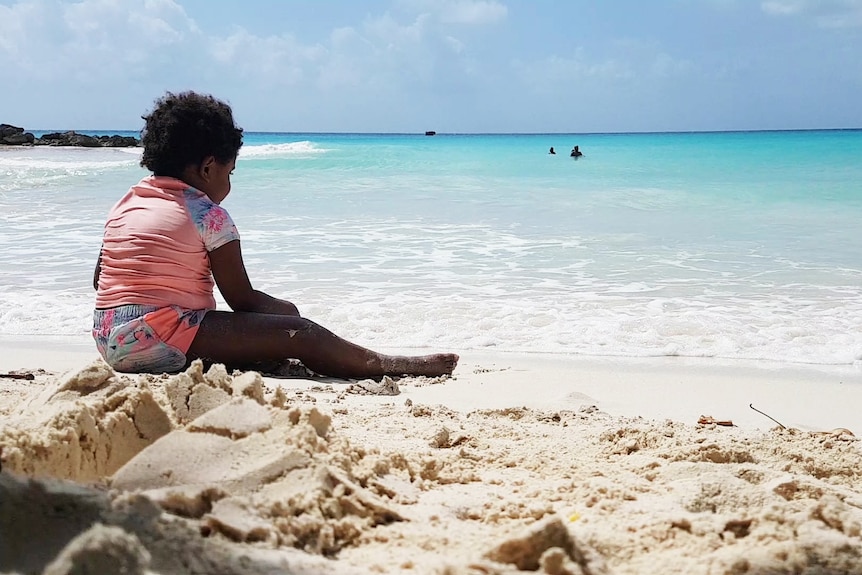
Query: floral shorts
x=148, y=339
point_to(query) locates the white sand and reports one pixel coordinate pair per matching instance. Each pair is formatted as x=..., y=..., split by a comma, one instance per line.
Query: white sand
x=542, y=463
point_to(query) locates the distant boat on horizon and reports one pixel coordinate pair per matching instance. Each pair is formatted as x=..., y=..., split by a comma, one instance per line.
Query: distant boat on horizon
x=430, y=133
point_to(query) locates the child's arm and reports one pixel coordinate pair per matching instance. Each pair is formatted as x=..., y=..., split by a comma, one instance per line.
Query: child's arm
x=98, y=271
x=229, y=273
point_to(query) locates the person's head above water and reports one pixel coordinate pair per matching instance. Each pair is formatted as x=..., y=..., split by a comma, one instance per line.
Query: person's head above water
x=551, y=151
x=185, y=130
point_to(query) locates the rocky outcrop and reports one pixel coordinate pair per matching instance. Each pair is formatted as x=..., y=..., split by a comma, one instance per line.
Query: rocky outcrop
x=15, y=136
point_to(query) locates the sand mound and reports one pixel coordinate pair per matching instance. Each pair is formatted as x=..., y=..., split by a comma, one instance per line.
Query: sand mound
x=496, y=491
x=216, y=472
x=101, y=549
x=206, y=446
x=54, y=527
x=83, y=427
x=253, y=473
x=88, y=423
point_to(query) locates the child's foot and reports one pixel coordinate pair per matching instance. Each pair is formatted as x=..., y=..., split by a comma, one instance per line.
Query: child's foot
x=430, y=365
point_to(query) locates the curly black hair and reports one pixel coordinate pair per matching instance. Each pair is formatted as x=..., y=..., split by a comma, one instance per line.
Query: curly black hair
x=183, y=129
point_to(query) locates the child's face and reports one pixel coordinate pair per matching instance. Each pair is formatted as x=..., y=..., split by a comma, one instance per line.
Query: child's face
x=218, y=182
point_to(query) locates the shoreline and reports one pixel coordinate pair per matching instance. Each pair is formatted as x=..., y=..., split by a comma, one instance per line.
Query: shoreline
x=806, y=397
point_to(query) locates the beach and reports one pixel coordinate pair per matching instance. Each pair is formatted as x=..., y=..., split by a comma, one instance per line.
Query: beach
x=620, y=239
x=525, y=462
x=660, y=363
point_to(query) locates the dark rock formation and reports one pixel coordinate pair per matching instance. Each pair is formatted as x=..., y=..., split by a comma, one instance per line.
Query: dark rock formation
x=68, y=139
x=15, y=136
x=116, y=141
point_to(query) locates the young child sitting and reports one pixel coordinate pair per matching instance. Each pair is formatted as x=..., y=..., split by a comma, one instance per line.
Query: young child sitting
x=166, y=241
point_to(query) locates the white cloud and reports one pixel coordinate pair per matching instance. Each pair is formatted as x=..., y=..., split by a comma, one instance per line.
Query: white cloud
x=456, y=45
x=273, y=60
x=157, y=43
x=783, y=7
x=608, y=81
x=115, y=23
x=665, y=66
x=470, y=12
x=385, y=30
x=556, y=74
x=16, y=27
x=824, y=13
x=467, y=12
x=90, y=40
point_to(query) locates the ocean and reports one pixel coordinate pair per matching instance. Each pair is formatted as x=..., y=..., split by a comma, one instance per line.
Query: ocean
x=736, y=245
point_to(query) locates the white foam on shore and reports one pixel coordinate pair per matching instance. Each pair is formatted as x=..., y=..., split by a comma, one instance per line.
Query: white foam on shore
x=280, y=150
x=383, y=253
x=393, y=310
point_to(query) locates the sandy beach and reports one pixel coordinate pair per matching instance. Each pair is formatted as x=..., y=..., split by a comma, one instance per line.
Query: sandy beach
x=516, y=463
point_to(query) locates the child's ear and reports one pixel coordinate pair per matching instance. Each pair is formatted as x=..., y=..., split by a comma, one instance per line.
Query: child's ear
x=205, y=167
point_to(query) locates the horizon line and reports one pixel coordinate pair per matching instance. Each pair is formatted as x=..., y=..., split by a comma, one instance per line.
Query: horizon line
x=438, y=133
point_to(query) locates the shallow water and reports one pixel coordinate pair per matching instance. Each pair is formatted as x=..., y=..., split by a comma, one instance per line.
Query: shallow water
x=726, y=245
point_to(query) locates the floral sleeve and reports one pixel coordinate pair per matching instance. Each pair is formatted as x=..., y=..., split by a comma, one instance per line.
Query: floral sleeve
x=213, y=223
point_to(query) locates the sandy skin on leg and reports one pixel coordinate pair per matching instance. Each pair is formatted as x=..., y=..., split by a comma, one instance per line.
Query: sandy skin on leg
x=237, y=338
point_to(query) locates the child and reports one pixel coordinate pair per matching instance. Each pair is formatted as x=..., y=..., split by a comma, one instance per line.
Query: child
x=166, y=241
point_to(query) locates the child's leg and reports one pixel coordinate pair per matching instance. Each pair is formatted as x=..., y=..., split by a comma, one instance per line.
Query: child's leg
x=237, y=338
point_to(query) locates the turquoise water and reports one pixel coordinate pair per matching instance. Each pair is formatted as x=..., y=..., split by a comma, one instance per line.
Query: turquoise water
x=726, y=245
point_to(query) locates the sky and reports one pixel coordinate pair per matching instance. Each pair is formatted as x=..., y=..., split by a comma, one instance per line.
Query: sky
x=454, y=66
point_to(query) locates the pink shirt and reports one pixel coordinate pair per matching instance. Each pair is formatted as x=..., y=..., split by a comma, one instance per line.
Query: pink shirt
x=156, y=246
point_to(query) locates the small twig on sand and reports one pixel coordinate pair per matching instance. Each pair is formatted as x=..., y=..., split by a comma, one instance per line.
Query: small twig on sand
x=27, y=376
x=769, y=416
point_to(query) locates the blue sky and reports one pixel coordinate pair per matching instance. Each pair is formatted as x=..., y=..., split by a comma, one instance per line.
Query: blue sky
x=446, y=65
